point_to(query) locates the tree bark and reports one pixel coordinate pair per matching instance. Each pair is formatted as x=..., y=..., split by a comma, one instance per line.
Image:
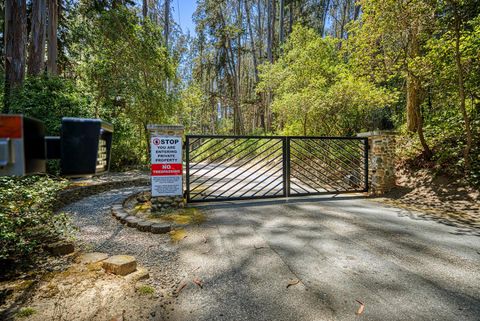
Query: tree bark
x=252, y=41
x=272, y=37
x=290, y=13
x=36, y=57
x=52, y=53
x=167, y=22
x=14, y=39
x=282, y=15
x=145, y=9
x=269, y=31
x=461, y=92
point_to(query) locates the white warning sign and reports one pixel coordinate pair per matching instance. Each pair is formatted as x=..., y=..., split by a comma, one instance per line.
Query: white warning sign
x=167, y=169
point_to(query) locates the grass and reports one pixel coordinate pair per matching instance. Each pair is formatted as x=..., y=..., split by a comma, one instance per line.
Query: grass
x=187, y=215
x=146, y=290
x=25, y=312
x=178, y=234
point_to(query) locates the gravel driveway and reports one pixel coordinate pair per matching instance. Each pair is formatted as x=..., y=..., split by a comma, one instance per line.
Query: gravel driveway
x=100, y=232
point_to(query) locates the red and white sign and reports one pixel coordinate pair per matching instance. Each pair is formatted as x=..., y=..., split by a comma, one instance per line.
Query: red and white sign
x=167, y=170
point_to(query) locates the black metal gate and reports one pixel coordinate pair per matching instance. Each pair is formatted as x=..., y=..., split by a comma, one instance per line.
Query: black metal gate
x=220, y=168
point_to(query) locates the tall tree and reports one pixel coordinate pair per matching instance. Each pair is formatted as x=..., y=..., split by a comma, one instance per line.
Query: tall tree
x=458, y=26
x=52, y=46
x=15, y=41
x=389, y=39
x=281, y=22
x=166, y=28
x=36, y=55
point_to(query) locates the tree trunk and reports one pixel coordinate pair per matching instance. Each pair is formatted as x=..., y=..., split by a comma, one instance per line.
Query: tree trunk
x=269, y=31
x=290, y=13
x=167, y=22
x=461, y=93
x=356, y=12
x=36, y=58
x=145, y=9
x=272, y=37
x=325, y=8
x=14, y=39
x=252, y=41
x=52, y=37
x=282, y=14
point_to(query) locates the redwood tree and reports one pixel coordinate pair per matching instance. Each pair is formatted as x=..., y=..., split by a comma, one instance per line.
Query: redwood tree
x=15, y=34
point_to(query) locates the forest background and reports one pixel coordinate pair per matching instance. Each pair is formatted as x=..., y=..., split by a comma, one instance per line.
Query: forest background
x=288, y=67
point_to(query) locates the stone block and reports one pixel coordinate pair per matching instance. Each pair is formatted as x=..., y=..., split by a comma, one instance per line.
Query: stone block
x=93, y=257
x=144, y=226
x=121, y=215
x=132, y=221
x=60, y=248
x=160, y=228
x=120, y=264
x=140, y=274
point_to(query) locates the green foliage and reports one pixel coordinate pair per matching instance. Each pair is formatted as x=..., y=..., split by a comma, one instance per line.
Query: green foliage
x=146, y=290
x=25, y=312
x=315, y=93
x=49, y=99
x=26, y=217
x=130, y=74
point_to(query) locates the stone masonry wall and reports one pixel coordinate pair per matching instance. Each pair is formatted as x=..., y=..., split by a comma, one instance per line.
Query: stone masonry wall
x=381, y=161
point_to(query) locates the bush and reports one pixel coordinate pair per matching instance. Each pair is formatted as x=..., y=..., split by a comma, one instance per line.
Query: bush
x=27, y=220
x=49, y=99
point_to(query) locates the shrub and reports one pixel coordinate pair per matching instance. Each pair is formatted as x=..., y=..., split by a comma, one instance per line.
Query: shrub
x=49, y=99
x=27, y=220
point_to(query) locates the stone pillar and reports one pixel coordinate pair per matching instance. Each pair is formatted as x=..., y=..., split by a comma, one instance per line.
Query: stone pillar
x=166, y=203
x=381, y=161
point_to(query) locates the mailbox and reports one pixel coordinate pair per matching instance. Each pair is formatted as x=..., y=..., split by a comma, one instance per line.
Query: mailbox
x=85, y=146
x=22, y=145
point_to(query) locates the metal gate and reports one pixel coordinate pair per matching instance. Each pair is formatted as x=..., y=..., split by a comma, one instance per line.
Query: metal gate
x=220, y=168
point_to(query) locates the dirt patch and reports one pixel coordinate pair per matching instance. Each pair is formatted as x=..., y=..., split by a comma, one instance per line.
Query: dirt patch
x=436, y=197
x=85, y=292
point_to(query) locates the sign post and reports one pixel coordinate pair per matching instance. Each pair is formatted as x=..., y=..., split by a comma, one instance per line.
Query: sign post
x=166, y=166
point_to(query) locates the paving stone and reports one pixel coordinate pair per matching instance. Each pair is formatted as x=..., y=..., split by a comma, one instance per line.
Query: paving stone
x=93, y=257
x=117, y=207
x=122, y=216
x=160, y=228
x=132, y=221
x=120, y=264
x=144, y=226
x=140, y=274
x=60, y=248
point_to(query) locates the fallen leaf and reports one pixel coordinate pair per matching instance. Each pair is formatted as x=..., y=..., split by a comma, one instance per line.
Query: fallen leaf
x=180, y=287
x=207, y=251
x=361, y=308
x=198, y=282
x=195, y=269
x=292, y=282
x=258, y=247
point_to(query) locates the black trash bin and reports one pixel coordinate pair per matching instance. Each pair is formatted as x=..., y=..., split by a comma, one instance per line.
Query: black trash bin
x=85, y=146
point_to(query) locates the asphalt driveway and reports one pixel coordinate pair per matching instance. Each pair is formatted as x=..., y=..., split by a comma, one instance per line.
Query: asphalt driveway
x=341, y=250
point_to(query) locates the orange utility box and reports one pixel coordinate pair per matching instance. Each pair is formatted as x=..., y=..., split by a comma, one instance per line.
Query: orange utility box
x=22, y=145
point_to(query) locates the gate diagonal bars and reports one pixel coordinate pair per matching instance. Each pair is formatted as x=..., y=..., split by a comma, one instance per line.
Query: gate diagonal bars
x=220, y=168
